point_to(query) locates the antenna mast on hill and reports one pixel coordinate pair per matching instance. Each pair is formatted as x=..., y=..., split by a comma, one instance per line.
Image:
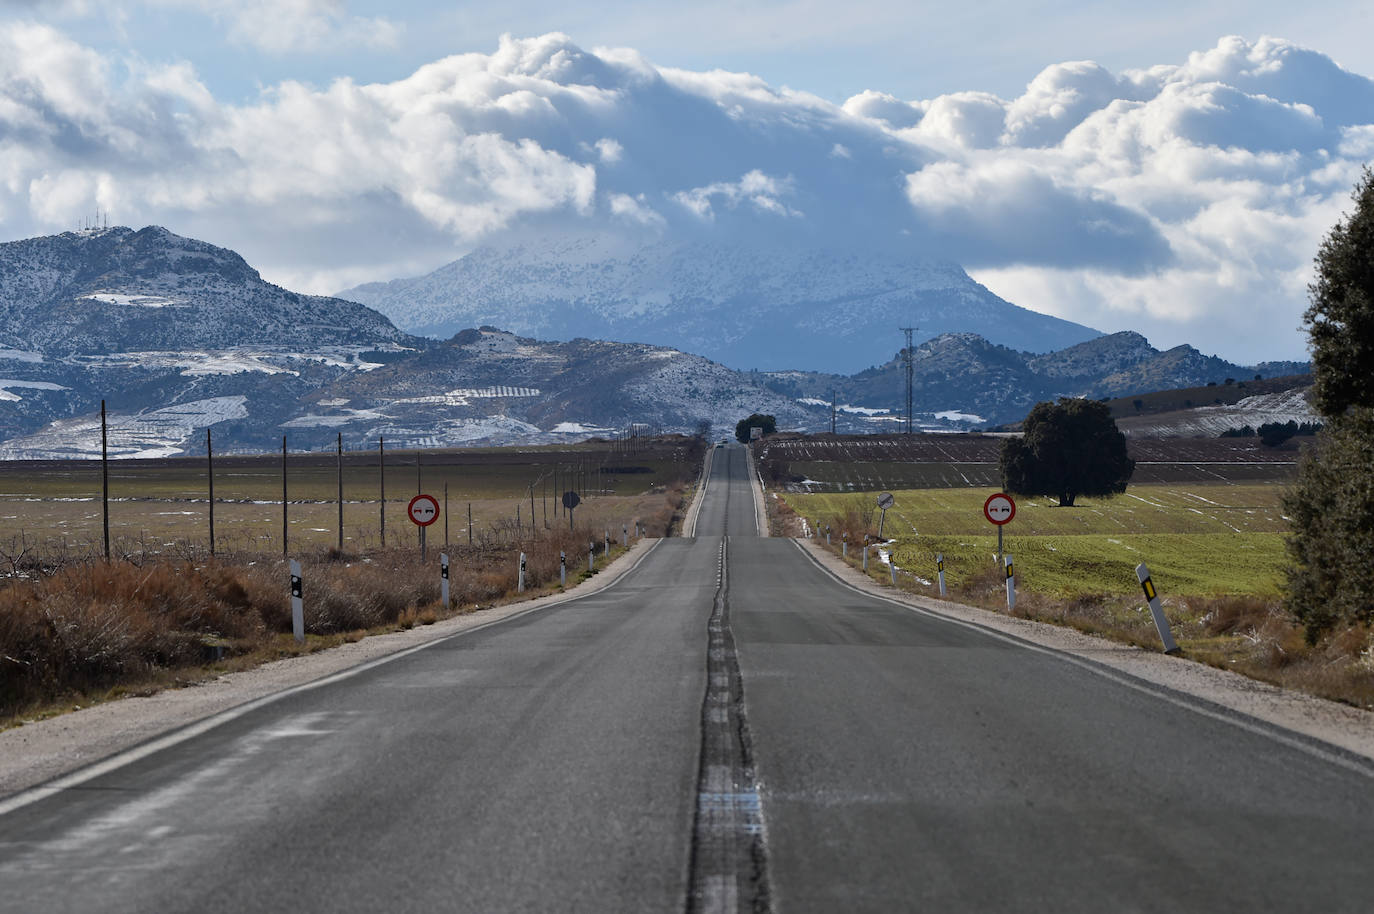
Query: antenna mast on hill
x=906, y=363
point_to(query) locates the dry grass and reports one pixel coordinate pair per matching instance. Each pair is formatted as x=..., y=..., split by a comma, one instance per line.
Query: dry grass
x=77, y=629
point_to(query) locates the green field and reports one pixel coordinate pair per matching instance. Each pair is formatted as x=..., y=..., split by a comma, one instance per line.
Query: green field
x=1198, y=539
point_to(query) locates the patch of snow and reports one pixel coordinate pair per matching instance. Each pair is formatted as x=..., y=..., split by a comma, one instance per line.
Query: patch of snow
x=19, y=355
x=5, y=384
x=954, y=415
x=577, y=428
x=133, y=301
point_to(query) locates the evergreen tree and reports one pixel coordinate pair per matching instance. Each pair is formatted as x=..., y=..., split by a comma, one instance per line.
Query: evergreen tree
x=1332, y=505
x=768, y=423
x=1067, y=449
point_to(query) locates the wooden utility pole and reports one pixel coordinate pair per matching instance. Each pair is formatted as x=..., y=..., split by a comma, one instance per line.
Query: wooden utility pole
x=210, y=477
x=105, y=478
x=283, y=495
x=339, y=462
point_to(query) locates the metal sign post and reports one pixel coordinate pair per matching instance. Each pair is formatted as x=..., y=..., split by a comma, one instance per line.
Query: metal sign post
x=1156, y=609
x=423, y=510
x=443, y=575
x=297, y=603
x=570, y=501
x=999, y=509
x=885, y=501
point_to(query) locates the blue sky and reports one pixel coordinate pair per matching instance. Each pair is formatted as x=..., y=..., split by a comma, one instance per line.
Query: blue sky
x=1177, y=185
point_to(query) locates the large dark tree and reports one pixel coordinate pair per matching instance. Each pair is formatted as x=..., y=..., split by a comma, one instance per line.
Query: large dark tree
x=1332, y=505
x=768, y=423
x=1068, y=449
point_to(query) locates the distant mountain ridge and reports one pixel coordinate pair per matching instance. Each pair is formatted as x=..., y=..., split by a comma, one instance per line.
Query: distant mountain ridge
x=178, y=336
x=965, y=373
x=752, y=305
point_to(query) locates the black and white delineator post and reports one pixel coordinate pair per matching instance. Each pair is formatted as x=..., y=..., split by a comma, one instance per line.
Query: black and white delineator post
x=624, y=534
x=520, y=584
x=865, y=560
x=940, y=570
x=1011, y=581
x=562, y=569
x=591, y=555
x=443, y=575
x=892, y=569
x=605, y=542
x=297, y=603
x=844, y=546
x=1156, y=610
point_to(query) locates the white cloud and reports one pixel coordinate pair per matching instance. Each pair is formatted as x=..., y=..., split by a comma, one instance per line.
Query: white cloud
x=292, y=26
x=635, y=210
x=763, y=192
x=1191, y=194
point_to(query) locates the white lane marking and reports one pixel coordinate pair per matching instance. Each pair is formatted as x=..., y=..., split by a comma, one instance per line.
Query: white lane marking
x=1235, y=718
x=191, y=731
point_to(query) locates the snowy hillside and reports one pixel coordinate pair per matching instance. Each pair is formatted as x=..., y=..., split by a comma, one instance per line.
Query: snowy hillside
x=120, y=290
x=747, y=305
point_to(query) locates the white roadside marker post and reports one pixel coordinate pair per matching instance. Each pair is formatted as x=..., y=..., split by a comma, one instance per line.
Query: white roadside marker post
x=591, y=555
x=443, y=579
x=1011, y=581
x=562, y=569
x=520, y=584
x=297, y=603
x=892, y=569
x=606, y=542
x=844, y=547
x=940, y=570
x=827, y=534
x=1156, y=610
x=865, y=558
x=624, y=534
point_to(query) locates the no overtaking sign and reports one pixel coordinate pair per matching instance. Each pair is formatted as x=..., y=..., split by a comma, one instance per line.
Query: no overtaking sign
x=999, y=508
x=423, y=510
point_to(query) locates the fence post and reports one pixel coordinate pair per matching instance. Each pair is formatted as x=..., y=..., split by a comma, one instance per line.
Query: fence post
x=1011, y=582
x=297, y=603
x=1156, y=610
x=443, y=583
x=520, y=586
x=940, y=570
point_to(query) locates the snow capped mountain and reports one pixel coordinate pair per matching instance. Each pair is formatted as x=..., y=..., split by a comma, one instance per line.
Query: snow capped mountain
x=119, y=290
x=748, y=304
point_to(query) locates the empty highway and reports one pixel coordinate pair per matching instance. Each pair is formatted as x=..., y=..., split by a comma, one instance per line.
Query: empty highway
x=726, y=727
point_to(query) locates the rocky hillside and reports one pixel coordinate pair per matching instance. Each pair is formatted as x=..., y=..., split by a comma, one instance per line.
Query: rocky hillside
x=120, y=290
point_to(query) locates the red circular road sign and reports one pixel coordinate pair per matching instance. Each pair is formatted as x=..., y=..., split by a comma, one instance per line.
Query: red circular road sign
x=423, y=510
x=999, y=508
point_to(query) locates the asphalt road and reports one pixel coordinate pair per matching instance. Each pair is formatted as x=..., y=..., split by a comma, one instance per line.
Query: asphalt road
x=725, y=727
